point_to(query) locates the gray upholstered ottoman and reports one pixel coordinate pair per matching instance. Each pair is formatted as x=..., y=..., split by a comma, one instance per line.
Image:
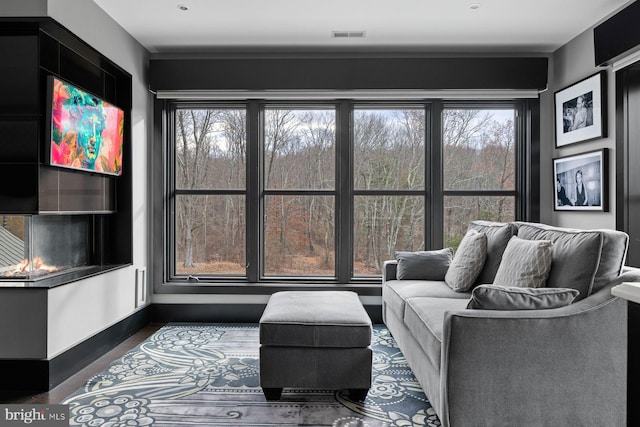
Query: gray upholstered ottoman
x=316, y=340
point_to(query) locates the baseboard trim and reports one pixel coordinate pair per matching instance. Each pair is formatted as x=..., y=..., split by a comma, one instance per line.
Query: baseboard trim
x=43, y=375
x=225, y=313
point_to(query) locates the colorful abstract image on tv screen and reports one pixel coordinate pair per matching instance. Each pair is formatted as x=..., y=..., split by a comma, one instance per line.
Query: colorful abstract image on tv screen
x=86, y=132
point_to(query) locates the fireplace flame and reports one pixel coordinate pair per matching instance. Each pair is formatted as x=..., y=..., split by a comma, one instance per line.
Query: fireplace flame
x=38, y=265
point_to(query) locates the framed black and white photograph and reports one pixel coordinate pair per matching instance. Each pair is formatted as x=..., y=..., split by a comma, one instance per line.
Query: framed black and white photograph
x=581, y=182
x=580, y=111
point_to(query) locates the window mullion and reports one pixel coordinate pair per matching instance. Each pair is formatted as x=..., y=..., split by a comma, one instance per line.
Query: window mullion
x=254, y=200
x=344, y=199
x=434, y=175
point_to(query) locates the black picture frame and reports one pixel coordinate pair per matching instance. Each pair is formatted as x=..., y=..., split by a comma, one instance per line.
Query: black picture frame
x=581, y=111
x=582, y=182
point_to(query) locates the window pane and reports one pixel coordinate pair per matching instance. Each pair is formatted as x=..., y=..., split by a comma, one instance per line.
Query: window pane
x=382, y=225
x=299, y=149
x=458, y=211
x=388, y=149
x=299, y=236
x=210, y=235
x=478, y=149
x=210, y=149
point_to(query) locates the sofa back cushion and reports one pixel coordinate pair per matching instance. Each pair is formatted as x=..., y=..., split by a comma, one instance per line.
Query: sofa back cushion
x=575, y=255
x=498, y=235
x=614, y=254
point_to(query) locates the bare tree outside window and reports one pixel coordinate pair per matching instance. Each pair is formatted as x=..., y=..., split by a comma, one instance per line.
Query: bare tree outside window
x=479, y=155
x=389, y=150
x=210, y=158
x=299, y=156
x=314, y=183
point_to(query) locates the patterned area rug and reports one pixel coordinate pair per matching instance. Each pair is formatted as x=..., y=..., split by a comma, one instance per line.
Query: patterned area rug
x=207, y=375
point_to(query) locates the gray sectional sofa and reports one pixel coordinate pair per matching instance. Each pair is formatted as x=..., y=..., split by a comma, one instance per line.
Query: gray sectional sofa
x=564, y=366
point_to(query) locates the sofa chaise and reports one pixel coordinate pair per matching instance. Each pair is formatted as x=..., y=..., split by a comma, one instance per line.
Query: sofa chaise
x=484, y=359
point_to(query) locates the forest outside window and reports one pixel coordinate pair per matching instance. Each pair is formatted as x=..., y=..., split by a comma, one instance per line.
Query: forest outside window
x=479, y=168
x=299, y=192
x=209, y=172
x=326, y=192
x=389, y=185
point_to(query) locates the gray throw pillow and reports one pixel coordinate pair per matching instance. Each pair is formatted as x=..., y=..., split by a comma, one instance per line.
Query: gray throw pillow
x=498, y=235
x=525, y=263
x=467, y=262
x=493, y=297
x=423, y=265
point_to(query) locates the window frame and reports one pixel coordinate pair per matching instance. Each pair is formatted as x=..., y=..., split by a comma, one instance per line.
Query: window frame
x=520, y=148
x=254, y=281
x=170, y=240
x=424, y=192
x=264, y=192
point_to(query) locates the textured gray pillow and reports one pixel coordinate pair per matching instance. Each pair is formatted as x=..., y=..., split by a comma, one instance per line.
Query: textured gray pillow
x=493, y=297
x=575, y=255
x=498, y=235
x=423, y=265
x=467, y=261
x=525, y=263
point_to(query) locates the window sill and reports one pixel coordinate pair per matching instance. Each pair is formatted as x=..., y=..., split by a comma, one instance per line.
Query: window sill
x=362, y=289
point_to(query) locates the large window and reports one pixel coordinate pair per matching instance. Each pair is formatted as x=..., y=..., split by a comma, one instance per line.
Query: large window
x=208, y=199
x=479, y=168
x=326, y=192
x=388, y=183
x=299, y=192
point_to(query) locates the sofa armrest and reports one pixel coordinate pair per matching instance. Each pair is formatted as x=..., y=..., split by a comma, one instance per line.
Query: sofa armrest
x=389, y=269
x=542, y=367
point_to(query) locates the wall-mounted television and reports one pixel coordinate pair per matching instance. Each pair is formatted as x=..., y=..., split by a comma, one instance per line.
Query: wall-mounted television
x=84, y=131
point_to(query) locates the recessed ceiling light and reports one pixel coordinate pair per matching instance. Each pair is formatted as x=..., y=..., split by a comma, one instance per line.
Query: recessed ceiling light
x=474, y=6
x=183, y=7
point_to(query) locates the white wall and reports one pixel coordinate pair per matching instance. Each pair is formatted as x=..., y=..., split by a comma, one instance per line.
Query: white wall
x=572, y=63
x=79, y=310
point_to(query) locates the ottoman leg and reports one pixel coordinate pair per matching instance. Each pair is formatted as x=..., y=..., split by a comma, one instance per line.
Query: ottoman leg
x=358, y=393
x=272, y=393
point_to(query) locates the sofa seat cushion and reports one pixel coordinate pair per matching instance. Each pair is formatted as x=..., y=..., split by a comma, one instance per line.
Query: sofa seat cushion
x=424, y=317
x=396, y=292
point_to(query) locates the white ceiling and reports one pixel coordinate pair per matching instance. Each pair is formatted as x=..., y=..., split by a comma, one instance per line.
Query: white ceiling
x=408, y=25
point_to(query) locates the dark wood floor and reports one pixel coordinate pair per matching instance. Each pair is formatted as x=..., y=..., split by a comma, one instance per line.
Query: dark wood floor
x=73, y=383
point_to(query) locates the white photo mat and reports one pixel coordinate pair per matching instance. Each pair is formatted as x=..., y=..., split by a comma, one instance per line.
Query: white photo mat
x=580, y=111
x=581, y=182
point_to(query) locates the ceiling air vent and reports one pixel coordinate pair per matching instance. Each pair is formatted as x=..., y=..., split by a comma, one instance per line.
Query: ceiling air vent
x=348, y=34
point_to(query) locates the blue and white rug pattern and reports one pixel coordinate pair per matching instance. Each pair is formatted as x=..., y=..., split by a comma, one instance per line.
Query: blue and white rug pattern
x=208, y=375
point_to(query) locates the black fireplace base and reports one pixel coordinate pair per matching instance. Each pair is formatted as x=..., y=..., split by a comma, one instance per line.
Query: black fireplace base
x=29, y=376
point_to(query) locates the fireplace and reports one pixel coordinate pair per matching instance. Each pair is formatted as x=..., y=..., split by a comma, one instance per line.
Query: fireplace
x=36, y=247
